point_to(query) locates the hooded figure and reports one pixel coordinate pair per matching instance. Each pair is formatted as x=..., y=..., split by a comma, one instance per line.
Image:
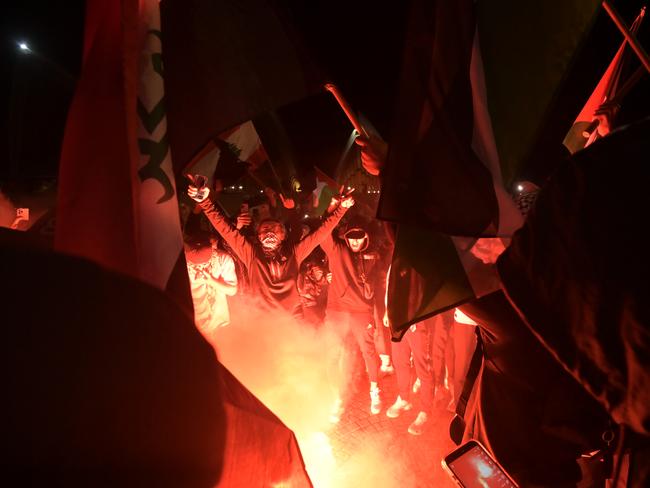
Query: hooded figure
x=272, y=262
x=350, y=304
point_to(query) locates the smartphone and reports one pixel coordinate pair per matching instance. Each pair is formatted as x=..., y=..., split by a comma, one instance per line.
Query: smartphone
x=472, y=466
x=200, y=181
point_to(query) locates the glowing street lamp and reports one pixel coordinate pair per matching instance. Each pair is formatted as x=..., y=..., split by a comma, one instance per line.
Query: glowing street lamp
x=24, y=47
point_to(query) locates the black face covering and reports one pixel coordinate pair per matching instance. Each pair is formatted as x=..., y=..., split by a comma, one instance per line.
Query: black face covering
x=355, y=234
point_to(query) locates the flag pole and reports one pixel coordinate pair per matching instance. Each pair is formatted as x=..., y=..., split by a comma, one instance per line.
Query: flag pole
x=617, y=99
x=631, y=39
x=345, y=106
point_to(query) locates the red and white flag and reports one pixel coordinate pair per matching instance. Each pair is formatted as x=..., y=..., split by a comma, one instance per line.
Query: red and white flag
x=117, y=203
x=235, y=152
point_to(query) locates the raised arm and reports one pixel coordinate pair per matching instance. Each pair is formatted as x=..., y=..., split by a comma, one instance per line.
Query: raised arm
x=309, y=243
x=238, y=243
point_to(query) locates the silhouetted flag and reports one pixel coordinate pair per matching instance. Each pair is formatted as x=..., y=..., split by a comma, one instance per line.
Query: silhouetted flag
x=260, y=450
x=443, y=179
x=230, y=155
x=583, y=131
x=226, y=62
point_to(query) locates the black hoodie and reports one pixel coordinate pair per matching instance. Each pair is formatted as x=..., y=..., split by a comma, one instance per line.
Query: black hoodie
x=353, y=279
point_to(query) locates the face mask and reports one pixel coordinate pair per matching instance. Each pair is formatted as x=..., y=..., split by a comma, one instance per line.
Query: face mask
x=269, y=240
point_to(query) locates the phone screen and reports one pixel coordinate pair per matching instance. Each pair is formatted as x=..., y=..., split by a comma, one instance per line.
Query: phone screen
x=473, y=467
x=200, y=181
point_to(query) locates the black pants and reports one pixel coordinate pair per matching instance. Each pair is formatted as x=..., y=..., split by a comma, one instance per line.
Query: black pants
x=419, y=343
x=350, y=328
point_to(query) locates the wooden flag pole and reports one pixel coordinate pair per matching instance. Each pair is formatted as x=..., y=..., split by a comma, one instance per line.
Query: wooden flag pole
x=631, y=39
x=345, y=106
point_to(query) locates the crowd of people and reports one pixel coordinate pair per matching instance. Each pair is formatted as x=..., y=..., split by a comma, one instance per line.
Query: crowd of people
x=482, y=360
x=327, y=273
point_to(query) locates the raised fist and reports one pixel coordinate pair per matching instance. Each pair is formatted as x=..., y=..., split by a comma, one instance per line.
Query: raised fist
x=196, y=194
x=347, y=201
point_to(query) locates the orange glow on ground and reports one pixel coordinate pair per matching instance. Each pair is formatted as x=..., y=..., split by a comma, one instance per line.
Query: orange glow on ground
x=284, y=365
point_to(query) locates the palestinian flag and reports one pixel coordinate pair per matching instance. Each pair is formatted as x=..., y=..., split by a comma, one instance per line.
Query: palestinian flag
x=326, y=188
x=583, y=131
x=455, y=139
x=117, y=201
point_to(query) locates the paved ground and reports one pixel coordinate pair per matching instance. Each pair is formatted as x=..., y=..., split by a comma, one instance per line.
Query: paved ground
x=415, y=459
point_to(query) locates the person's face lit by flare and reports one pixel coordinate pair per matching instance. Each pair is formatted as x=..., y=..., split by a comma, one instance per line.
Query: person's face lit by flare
x=271, y=234
x=356, y=244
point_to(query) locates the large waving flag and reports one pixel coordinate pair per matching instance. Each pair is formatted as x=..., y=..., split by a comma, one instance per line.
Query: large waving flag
x=230, y=155
x=443, y=182
x=583, y=131
x=117, y=197
x=118, y=207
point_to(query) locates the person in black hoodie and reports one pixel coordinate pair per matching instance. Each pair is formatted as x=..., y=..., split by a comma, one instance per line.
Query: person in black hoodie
x=272, y=262
x=350, y=303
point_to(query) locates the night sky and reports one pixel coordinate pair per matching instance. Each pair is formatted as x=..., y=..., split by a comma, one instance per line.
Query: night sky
x=352, y=42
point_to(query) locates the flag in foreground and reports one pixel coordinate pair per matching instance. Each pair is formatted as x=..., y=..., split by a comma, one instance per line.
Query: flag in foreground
x=117, y=197
x=443, y=180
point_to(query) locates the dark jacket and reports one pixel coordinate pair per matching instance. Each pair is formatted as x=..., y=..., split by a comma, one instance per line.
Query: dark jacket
x=279, y=292
x=353, y=276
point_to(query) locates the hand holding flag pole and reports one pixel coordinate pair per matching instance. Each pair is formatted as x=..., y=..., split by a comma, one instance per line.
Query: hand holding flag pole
x=345, y=106
x=610, y=107
x=629, y=36
x=373, y=148
x=605, y=113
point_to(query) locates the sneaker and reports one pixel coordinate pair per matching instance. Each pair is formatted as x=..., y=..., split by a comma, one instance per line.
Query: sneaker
x=398, y=407
x=417, y=427
x=417, y=385
x=337, y=411
x=375, y=401
x=387, y=368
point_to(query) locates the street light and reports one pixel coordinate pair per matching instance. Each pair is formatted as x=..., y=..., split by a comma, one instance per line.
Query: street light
x=24, y=47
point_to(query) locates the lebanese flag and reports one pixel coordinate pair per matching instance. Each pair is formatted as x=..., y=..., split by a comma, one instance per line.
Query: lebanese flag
x=117, y=201
x=230, y=155
x=582, y=132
